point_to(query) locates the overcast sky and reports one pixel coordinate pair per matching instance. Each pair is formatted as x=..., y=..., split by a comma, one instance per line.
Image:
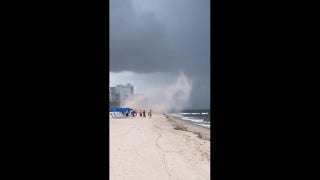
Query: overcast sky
x=151, y=41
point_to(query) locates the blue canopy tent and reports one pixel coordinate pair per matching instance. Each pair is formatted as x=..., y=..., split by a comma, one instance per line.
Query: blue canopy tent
x=118, y=112
x=120, y=109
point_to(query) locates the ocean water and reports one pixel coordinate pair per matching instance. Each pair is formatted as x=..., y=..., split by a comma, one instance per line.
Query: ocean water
x=197, y=117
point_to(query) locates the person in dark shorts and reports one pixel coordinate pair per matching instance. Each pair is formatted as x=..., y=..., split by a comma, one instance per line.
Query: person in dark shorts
x=134, y=113
x=140, y=112
x=144, y=113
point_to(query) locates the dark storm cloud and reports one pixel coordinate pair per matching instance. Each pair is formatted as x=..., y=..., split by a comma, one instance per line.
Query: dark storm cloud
x=163, y=36
x=137, y=40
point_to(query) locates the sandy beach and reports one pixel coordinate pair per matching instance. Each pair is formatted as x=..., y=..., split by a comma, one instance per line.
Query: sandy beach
x=160, y=147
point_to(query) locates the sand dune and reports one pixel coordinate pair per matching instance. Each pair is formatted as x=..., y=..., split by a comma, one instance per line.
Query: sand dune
x=158, y=148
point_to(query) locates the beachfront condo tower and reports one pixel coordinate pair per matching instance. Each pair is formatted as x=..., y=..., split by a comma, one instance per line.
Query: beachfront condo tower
x=120, y=94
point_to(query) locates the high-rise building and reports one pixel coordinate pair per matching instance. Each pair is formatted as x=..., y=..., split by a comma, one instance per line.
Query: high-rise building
x=113, y=94
x=121, y=93
x=125, y=92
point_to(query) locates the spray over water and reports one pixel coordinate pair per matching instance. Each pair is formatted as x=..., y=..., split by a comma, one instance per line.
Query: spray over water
x=178, y=94
x=165, y=98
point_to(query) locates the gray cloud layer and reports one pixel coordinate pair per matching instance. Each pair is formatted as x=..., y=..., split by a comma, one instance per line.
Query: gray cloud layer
x=148, y=36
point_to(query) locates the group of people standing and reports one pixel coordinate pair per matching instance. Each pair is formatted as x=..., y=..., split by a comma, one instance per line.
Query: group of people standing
x=142, y=113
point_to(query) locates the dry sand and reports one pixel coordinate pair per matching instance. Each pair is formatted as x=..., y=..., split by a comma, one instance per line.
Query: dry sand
x=158, y=148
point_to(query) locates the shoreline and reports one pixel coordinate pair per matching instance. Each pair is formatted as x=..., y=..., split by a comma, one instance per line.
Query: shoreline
x=202, y=132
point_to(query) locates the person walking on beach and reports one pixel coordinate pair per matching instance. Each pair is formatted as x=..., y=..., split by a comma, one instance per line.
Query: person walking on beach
x=150, y=113
x=134, y=113
x=144, y=113
x=140, y=112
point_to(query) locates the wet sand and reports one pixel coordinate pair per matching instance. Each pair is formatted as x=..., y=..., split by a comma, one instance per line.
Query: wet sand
x=158, y=148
